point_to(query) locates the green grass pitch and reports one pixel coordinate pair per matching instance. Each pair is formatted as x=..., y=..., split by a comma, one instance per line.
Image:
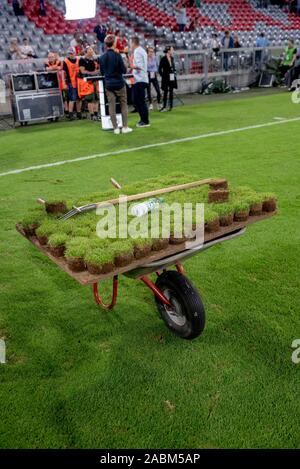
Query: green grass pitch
x=80, y=377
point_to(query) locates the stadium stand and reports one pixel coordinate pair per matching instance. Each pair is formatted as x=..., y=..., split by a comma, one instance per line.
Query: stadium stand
x=152, y=19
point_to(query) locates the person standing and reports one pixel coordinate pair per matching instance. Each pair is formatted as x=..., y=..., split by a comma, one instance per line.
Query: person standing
x=113, y=68
x=227, y=43
x=181, y=18
x=141, y=81
x=121, y=41
x=152, y=76
x=53, y=64
x=42, y=8
x=71, y=69
x=214, y=44
x=262, y=43
x=167, y=72
x=18, y=8
x=289, y=57
x=236, y=42
x=100, y=32
x=87, y=90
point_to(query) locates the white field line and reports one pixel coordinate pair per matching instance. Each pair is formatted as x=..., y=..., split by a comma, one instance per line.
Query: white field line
x=147, y=147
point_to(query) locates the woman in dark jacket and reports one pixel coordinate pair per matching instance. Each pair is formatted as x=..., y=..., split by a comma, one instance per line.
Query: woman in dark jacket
x=167, y=72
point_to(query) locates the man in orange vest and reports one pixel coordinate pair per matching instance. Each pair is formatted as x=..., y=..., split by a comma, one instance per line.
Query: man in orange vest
x=53, y=64
x=71, y=69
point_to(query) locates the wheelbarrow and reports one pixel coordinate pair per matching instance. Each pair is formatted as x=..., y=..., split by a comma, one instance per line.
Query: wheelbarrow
x=178, y=301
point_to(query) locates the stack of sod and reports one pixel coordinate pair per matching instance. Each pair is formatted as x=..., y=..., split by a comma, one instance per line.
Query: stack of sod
x=78, y=234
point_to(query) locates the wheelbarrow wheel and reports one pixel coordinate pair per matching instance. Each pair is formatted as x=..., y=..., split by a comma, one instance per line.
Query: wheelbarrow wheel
x=186, y=317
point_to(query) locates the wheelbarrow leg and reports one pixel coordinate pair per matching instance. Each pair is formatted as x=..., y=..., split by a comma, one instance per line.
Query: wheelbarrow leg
x=98, y=298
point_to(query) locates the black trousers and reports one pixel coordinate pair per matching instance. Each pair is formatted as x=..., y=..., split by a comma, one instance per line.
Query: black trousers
x=154, y=82
x=169, y=90
x=140, y=101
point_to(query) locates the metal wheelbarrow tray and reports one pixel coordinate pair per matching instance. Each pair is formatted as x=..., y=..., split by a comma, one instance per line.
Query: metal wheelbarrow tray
x=177, y=300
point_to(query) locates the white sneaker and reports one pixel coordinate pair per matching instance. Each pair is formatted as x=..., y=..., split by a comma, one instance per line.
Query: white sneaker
x=117, y=131
x=126, y=130
x=150, y=107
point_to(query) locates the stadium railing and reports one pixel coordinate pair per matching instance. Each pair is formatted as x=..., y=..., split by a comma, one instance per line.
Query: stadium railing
x=240, y=67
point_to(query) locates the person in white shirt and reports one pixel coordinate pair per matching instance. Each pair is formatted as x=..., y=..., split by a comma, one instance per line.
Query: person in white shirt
x=140, y=75
x=26, y=50
x=215, y=43
x=181, y=17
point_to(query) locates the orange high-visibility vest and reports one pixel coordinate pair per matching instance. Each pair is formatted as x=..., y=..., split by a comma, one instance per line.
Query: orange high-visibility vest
x=84, y=88
x=62, y=80
x=73, y=69
x=58, y=67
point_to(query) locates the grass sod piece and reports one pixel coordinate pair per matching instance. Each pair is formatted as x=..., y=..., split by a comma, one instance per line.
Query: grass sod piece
x=141, y=247
x=218, y=196
x=56, y=207
x=255, y=204
x=47, y=228
x=211, y=220
x=123, y=252
x=76, y=249
x=241, y=210
x=65, y=226
x=56, y=244
x=225, y=212
x=269, y=202
x=176, y=237
x=99, y=260
x=32, y=221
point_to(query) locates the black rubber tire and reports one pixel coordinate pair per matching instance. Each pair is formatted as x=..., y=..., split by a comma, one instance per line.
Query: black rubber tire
x=190, y=321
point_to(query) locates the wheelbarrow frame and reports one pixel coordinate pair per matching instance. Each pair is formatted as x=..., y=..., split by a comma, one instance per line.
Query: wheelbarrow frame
x=142, y=273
